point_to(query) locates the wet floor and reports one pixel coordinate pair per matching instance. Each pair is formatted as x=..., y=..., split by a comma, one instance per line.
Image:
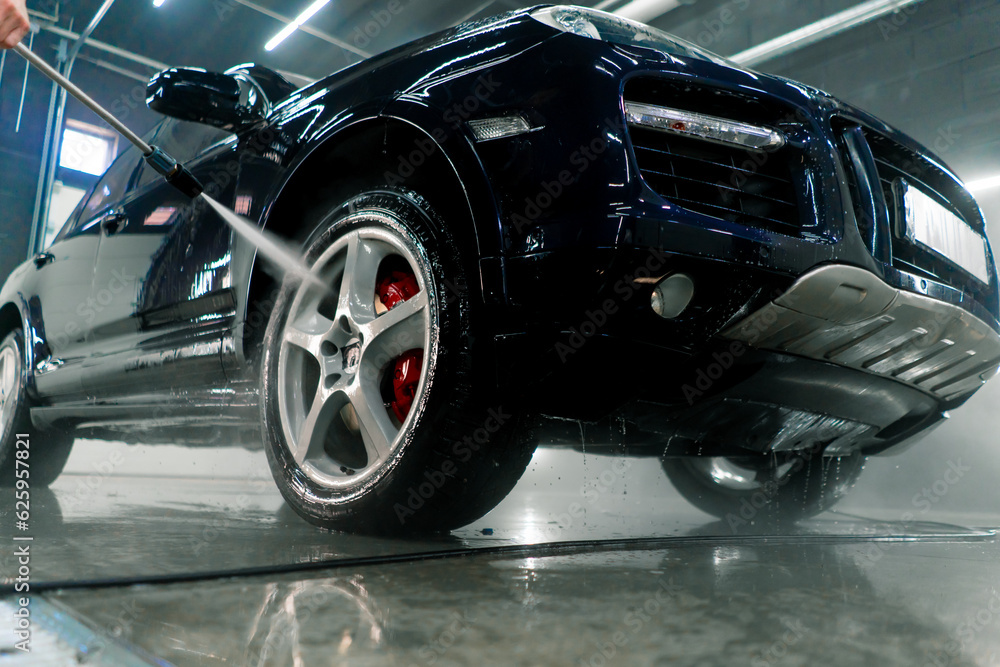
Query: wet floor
x=92, y=528
x=803, y=602
x=190, y=557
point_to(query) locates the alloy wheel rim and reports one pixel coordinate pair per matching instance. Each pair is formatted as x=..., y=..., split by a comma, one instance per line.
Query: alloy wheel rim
x=337, y=349
x=730, y=474
x=9, y=385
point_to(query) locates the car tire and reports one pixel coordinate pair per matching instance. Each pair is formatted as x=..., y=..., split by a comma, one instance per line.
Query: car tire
x=50, y=449
x=761, y=489
x=345, y=448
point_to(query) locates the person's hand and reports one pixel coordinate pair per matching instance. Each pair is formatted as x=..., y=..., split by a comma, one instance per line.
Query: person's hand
x=14, y=23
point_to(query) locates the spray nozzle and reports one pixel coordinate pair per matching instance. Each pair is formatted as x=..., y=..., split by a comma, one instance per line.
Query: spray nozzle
x=175, y=173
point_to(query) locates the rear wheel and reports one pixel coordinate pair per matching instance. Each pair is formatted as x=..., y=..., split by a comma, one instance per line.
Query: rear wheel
x=776, y=488
x=373, y=417
x=45, y=456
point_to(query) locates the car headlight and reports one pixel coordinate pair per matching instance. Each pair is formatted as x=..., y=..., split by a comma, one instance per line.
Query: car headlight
x=568, y=19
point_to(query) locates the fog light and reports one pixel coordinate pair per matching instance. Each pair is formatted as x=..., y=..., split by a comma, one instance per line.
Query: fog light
x=672, y=295
x=700, y=126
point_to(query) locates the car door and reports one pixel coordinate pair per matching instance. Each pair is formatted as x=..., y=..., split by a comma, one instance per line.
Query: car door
x=61, y=295
x=170, y=258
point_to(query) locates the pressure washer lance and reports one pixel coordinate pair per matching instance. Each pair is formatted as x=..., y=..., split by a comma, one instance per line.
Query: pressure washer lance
x=174, y=172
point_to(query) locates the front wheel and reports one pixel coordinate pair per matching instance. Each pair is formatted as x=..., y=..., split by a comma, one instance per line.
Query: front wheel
x=761, y=489
x=42, y=455
x=374, y=420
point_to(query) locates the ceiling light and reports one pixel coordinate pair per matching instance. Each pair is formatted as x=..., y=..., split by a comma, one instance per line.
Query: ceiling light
x=646, y=10
x=158, y=3
x=790, y=42
x=983, y=184
x=294, y=25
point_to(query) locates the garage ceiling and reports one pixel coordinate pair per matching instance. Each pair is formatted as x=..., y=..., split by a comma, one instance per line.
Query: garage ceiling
x=221, y=33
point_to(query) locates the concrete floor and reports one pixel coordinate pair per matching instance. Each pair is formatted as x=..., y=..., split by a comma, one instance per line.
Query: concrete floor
x=798, y=603
x=208, y=569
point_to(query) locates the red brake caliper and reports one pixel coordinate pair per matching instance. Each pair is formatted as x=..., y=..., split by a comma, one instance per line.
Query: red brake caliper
x=393, y=290
x=405, y=379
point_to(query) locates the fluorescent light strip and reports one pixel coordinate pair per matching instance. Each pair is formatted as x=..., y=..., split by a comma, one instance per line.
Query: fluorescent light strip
x=984, y=184
x=646, y=10
x=294, y=25
x=820, y=30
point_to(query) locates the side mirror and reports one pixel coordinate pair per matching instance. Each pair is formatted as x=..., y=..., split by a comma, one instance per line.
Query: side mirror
x=199, y=96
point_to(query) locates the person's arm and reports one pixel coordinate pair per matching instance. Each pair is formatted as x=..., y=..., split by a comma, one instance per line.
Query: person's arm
x=14, y=23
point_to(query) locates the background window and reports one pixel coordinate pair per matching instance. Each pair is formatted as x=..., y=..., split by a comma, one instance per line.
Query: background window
x=87, y=148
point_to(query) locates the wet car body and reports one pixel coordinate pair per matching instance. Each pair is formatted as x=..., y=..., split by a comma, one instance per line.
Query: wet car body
x=141, y=317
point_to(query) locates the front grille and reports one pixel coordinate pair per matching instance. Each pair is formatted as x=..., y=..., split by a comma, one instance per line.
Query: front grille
x=894, y=162
x=769, y=190
x=731, y=184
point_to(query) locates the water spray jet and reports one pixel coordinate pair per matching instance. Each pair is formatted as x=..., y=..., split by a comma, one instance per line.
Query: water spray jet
x=273, y=248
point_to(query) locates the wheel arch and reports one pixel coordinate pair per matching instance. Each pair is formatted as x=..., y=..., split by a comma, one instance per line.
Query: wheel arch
x=10, y=319
x=444, y=169
x=342, y=165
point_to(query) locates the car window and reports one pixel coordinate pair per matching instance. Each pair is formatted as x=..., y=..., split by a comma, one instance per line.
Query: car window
x=72, y=222
x=182, y=141
x=114, y=184
x=109, y=189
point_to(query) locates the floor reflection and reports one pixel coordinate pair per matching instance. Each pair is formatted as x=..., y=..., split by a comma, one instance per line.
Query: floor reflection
x=126, y=526
x=826, y=603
